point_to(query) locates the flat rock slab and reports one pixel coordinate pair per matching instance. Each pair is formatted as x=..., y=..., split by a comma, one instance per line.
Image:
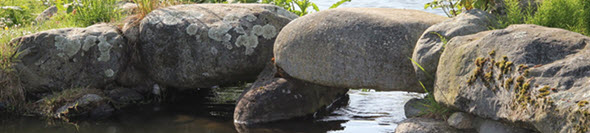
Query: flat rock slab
x=203, y=45
x=354, y=47
x=72, y=57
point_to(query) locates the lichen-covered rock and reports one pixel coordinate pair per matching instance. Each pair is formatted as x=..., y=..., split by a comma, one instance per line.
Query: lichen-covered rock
x=414, y=106
x=354, y=47
x=431, y=43
x=525, y=74
x=424, y=125
x=461, y=120
x=73, y=57
x=202, y=45
x=273, y=98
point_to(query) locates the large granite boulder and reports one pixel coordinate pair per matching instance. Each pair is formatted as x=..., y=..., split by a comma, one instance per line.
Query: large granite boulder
x=273, y=98
x=73, y=57
x=203, y=45
x=354, y=47
x=431, y=43
x=526, y=74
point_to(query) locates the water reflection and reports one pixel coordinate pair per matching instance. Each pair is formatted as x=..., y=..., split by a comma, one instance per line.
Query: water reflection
x=366, y=112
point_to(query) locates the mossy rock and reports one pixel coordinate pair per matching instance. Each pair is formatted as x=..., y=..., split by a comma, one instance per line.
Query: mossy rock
x=538, y=74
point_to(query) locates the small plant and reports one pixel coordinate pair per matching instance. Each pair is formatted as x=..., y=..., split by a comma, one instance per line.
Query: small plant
x=89, y=12
x=573, y=15
x=432, y=108
x=300, y=7
x=453, y=8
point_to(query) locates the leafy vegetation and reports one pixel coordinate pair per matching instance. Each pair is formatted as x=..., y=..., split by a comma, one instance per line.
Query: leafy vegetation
x=573, y=15
x=300, y=7
x=89, y=12
x=455, y=7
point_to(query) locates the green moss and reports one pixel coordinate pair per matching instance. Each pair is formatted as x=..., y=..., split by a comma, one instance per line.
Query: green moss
x=489, y=76
x=582, y=103
x=480, y=61
x=544, y=89
x=520, y=79
x=508, y=82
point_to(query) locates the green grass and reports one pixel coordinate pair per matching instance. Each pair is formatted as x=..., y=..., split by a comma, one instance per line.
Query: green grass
x=573, y=15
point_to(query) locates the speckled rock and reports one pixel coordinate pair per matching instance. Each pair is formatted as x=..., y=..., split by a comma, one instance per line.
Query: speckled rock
x=202, y=45
x=526, y=74
x=73, y=57
x=424, y=125
x=430, y=45
x=273, y=98
x=491, y=126
x=354, y=47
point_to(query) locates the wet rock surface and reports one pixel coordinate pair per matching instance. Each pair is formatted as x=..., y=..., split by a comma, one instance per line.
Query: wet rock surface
x=202, y=45
x=424, y=125
x=529, y=75
x=74, y=57
x=432, y=42
x=354, y=47
x=272, y=98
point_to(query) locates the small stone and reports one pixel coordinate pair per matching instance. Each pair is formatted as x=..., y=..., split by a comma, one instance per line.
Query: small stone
x=460, y=120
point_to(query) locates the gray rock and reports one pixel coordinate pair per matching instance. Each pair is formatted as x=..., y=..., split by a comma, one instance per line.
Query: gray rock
x=124, y=96
x=461, y=120
x=354, y=47
x=279, y=98
x=491, y=126
x=67, y=58
x=413, y=107
x=202, y=45
x=46, y=15
x=431, y=45
x=537, y=77
x=424, y=125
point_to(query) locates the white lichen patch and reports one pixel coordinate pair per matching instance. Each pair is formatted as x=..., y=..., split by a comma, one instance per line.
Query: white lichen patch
x=231, y=18
x=192, y=29
x=269, y=31
x=218, y=33
x=89, y=42
x=105, y=49
x=68, y=47
x=248, y=41
x=109, y=73
x=250, y=18
x=256, y=30
x=240, y=30
x=227, y=45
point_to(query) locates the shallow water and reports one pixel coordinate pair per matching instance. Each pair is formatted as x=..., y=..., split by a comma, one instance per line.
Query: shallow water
x=398, y=4
x=367, y=112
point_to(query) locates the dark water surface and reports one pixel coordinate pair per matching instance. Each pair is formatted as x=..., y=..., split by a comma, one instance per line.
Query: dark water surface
x=367, y=112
